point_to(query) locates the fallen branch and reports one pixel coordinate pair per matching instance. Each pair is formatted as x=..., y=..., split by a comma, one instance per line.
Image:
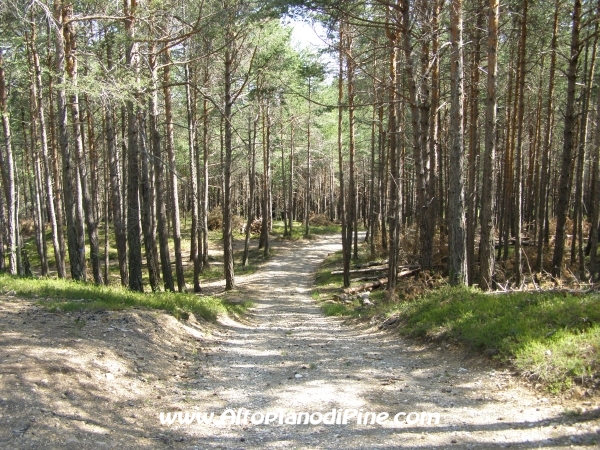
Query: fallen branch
x=381, y=281
x=366, y=287
x=375, y=269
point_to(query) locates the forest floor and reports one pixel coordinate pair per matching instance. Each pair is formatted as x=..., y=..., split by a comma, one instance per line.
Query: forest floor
x=94, y=380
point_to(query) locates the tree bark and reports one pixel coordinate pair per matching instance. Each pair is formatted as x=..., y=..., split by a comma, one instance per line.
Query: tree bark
x=71, y=188
x=147, y=200
x=456, y=192
x=39, y=107
x=88, y=205
x=567, y=156
x=116, y=182
x=159, y=182
x=172, y=175
x=191, y=120
x=543, y=192
x=488, y=195
x=227, y=162
x=133, y=172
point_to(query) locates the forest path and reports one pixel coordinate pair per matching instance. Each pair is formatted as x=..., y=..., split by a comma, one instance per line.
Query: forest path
x=289, y=358
x=89, y=380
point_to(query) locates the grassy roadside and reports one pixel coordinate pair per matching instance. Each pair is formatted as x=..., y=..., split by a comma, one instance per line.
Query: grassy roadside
x=66, y=295
x=551, y=337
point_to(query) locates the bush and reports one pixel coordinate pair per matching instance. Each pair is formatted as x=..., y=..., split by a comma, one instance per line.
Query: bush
x=320, y=220
x=215, y=220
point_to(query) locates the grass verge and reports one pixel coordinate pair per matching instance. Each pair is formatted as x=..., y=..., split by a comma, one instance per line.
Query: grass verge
x=66, y=295
x=551, y=337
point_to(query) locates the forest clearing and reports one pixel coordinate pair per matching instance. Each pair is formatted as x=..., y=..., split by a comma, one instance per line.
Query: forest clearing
x=201, y=206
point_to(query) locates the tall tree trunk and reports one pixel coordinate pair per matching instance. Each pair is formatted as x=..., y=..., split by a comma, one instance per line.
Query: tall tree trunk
x=71, y=189
x=352, y=194
x=58, y=206
x=159, y=181
x=88, y=205
x=474, y=145
x=291, y=184
x=570, y=122
x=133, y=171
x=346, y=245
x=456, y=192
x=227, y=162
x=543, y=192
x=48, y=176
x=147, y=210
x=518, y=197
x=37, y=194
x=191, y=120
x=205, y=152
x=116, y=182
x=252, y=124
x=172, y=174
x=595, y=199
x=308, y=166
x=395, y=183
x=433, y=200
x=488, y=195
x=266, y=185
x=577, y=241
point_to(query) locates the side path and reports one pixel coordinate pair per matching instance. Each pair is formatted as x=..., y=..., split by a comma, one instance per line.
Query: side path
x=289, y=358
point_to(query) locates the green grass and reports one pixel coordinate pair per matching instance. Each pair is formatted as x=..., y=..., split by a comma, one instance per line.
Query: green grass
x=551, y=337
x=65, y=295
x=332, y=262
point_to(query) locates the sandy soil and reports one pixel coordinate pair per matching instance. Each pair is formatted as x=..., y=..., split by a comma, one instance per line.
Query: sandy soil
x=100, y=380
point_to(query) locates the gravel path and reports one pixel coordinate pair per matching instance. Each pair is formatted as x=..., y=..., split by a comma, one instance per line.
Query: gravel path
x=88, y=380
x=289, y=358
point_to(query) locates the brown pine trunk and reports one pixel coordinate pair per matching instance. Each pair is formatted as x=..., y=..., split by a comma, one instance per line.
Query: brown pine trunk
x=227, y=162
x=191, y=120
x=473, y=146
x=577, y=240
x=133, y=175
x=266, y=179
x=147, y=210
x=346, y=245
x=518, y=205
x=544, y=175
x=71, y=189
x=88, y=205
x=456, y=193
x=48, y=176
x=205, y=152
x=433, y=200
x=116, y=183
x=570, y=123
x=159, y=181
x=595, y=200
x=395, y=183
x=488, y=195
x=251, y=181
x=172, y=174
x=307, y=198
x=351, y=222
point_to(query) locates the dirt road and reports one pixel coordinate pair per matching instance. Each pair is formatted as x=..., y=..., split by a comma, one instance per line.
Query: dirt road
x=105, y=385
